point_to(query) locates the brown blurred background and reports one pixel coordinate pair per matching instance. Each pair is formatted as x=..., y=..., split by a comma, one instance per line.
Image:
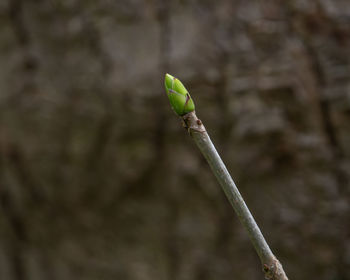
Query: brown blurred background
x=98, y=180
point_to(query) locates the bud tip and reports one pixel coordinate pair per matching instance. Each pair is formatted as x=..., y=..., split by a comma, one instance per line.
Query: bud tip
x=179, y=97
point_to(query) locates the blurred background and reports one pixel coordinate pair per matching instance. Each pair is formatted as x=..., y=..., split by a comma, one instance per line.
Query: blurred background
x=98, y=179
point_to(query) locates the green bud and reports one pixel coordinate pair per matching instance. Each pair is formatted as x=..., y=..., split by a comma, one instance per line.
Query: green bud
x=179, y=97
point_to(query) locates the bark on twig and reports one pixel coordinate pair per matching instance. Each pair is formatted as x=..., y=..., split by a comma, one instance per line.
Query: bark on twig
x=271, y=265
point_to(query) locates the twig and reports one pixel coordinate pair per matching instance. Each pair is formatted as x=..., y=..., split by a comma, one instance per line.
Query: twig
x=271, y=265
x=183, y=105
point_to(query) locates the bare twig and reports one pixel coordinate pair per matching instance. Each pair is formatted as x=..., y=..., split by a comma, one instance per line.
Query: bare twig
x=271, y=265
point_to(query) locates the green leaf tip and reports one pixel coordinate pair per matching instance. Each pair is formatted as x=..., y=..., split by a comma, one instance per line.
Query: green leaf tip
x=179, y=97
